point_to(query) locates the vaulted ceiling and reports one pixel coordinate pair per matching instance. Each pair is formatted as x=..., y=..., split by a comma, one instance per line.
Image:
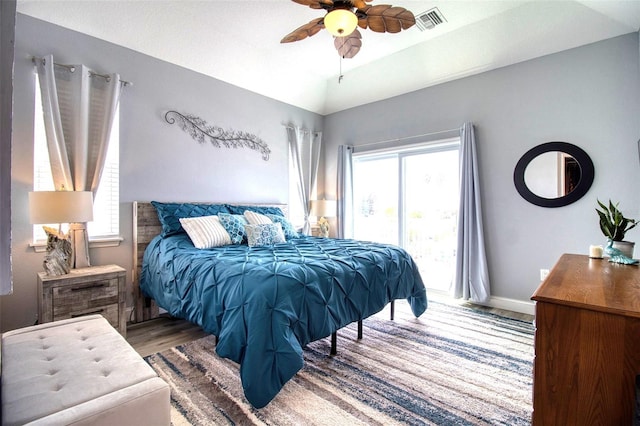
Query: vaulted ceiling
x=239, y=41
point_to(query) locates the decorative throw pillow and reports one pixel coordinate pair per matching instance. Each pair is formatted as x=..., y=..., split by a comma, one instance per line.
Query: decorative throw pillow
x=264, y=234
x=206, y=231
x=258, y=209
x=256, y=218
x=288, y=229
x=170, y=214
x=234, y=225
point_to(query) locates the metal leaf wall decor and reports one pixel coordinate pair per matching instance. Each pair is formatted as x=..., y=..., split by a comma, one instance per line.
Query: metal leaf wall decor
x=199, y=130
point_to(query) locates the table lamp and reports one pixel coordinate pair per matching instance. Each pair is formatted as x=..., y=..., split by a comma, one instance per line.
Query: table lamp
x=323, y=209
x=74, y=207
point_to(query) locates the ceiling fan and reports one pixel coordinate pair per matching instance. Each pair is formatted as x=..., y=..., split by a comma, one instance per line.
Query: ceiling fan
x=342, y=18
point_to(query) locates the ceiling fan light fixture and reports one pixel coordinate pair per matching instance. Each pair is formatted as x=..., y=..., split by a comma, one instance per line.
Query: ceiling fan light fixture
x=340, y=22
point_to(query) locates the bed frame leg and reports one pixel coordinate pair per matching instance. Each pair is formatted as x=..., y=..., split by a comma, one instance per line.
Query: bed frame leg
x=334, y=343
x=393, y=309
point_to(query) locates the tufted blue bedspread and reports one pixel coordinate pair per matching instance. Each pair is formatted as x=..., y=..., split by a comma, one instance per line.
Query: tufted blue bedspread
x=266, y=303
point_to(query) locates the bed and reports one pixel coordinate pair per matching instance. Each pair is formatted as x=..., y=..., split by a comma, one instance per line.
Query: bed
x=265, y=302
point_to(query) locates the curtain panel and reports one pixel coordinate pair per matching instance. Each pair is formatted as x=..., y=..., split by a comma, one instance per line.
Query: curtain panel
x=345, y=191
x=471, y=280
x=305, y=147
x=79, y=107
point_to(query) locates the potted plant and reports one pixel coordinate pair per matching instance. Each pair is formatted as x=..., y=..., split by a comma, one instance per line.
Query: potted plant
x=614, y=225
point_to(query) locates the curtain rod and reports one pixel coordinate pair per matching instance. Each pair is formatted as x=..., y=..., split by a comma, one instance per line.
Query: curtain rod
x=406, y=137
x=72, y=68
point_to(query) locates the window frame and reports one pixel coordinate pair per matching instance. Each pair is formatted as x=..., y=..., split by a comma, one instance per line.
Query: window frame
x=39, y=143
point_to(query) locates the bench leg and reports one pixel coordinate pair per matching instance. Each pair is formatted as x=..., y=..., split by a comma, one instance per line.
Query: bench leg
x=359, y=329
x=334, y=343
x=393, y=309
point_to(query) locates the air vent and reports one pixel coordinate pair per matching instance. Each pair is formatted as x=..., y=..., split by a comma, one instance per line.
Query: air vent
x=429, y=19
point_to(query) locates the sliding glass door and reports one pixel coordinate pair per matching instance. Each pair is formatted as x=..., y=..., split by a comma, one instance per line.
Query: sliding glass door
x=410, y=198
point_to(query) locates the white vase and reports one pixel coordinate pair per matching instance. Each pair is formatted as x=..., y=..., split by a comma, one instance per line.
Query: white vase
x=626, y=247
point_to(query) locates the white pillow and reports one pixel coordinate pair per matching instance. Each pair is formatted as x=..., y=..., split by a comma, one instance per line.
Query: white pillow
x=256, y=218
x=205, y=231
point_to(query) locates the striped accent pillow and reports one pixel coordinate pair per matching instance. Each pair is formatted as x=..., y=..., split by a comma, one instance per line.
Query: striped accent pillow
x=205, y=231
x=256, y=218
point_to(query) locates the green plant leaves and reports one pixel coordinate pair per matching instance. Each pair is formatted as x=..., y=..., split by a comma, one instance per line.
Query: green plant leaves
x=613, y=224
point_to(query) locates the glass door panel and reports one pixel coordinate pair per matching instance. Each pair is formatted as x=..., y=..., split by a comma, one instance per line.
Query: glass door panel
x=375, y=198
x=431, y=198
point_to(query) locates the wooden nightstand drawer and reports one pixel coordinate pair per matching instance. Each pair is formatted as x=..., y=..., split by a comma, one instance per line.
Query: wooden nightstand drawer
x=110, y=312
x=70, y=300
x=93, y=290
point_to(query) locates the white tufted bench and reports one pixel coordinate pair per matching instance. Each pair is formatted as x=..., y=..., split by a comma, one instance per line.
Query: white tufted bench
x=78, y=371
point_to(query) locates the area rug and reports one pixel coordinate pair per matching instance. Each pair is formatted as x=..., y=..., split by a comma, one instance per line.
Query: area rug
x=452, y=366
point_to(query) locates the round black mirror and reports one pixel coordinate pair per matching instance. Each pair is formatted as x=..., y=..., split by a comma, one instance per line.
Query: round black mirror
x=554, y=174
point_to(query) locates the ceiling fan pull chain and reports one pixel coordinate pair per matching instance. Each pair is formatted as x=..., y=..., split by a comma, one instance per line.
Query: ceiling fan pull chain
x=341, y=76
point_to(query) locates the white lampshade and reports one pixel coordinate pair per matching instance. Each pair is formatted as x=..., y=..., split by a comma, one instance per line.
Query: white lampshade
x=323, y=208
x=340, y=22
x=60, y=206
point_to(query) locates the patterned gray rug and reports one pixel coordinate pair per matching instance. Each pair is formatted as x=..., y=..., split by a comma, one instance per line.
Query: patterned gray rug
x=453, y=366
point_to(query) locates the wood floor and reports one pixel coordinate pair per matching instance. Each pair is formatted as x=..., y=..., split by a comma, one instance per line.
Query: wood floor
x=165, y=332
x=161, y=333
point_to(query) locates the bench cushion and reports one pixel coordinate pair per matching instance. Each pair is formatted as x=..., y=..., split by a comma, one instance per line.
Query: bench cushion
x=79, y=371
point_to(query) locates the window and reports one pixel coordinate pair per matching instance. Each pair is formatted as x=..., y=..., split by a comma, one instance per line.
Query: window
x=410, y=198
x=106, y=205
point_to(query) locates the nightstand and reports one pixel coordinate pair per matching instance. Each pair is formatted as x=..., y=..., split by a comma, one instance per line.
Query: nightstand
x=85, y=291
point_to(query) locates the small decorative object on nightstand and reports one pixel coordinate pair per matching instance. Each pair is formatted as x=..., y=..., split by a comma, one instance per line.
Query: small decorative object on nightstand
x=85, y=291
x=323, y=209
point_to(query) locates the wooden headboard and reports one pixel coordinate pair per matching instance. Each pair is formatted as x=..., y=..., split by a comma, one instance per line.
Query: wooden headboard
x=146, y=226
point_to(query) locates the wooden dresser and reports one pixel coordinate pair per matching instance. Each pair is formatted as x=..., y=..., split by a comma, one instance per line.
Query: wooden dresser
x=587, y=343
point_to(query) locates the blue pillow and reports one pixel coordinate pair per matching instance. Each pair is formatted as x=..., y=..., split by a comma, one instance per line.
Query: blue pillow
x=170, y=214
x=264, y=234
x=257, y=209
x=287, y=227
x=234, y=225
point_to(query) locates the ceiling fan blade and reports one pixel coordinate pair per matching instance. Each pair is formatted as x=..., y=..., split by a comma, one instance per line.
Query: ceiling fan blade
x=350, y=45
x=315, y=4
x=359, y=4
x=307, y=30
x=384, y=18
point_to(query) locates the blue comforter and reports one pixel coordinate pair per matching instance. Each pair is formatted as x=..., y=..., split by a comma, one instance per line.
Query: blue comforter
x=266, y=303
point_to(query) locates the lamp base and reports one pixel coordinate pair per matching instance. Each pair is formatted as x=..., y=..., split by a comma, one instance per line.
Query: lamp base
x=324, y=227
x=80, y=242
x=59, y=255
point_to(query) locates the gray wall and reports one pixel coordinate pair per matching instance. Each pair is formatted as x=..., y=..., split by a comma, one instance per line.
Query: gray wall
x=589, y=96
x=158, y=161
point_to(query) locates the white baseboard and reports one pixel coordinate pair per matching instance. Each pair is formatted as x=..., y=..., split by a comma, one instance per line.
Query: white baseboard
x=524, y=307
x=521, y=306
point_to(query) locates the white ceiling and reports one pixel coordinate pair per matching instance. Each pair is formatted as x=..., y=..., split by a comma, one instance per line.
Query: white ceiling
x=239, y=41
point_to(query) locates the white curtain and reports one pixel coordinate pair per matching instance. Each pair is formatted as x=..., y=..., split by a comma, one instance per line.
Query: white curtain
x=345, y=191
x=472, y=277
x=79, y=106
x=304, y=147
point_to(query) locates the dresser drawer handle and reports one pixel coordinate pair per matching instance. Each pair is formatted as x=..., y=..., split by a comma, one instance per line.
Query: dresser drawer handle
x=96, y=285
x=99, y=311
